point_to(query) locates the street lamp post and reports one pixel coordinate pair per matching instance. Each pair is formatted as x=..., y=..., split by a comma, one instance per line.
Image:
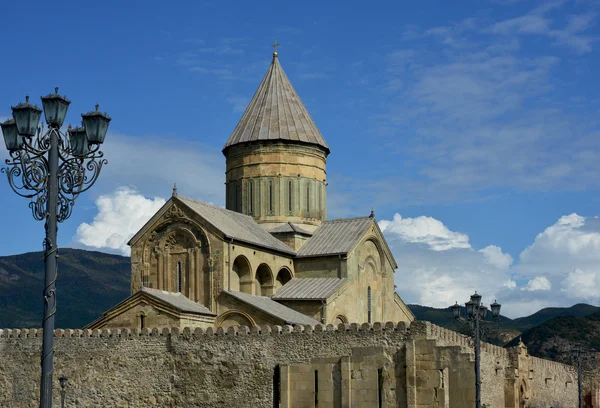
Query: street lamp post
x=63, y=389
x=581, y=356
x=476, y=316
x=52, y=168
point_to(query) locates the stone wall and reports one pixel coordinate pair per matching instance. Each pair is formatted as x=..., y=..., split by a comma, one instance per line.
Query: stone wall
x=423, y=366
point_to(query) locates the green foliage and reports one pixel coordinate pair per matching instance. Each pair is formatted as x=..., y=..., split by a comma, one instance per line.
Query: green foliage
x=88, y=284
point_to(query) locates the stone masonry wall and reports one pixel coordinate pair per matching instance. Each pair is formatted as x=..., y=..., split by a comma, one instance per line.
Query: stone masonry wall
x=430, y=367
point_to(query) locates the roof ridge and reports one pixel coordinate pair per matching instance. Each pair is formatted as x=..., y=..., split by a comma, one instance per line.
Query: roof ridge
x=348, y=219
x=215, y=207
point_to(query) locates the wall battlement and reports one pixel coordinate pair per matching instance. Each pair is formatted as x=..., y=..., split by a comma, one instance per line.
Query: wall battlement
x=182, y=367
x=231, y=331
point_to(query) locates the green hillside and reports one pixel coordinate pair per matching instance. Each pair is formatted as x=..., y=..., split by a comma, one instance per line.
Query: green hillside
x=509, y=329
x=88, y=284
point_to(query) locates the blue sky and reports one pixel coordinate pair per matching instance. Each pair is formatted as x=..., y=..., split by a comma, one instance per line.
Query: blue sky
x=475, y=121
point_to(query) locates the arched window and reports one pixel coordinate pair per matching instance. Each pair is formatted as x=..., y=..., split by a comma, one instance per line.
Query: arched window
x=270, y=196
x=369, y=304
x=142, y=321
x=179, y=276
x=290, y=196
x=250, y=196
x=307, y=197
x=234, y=197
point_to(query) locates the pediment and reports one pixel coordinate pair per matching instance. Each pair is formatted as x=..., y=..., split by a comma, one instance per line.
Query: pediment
x=173, y=213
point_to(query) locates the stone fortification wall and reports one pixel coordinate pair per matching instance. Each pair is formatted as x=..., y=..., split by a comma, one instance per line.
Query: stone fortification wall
x=421, y=366
x=171, y=367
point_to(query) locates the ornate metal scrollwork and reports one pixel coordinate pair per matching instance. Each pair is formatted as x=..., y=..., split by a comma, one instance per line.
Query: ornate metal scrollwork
x=28, y=172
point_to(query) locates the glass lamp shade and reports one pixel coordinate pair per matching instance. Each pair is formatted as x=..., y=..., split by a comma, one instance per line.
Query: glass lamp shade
x=55, y=108
x=475, y=298
x=63, y=381
x=79, y=143
x=495, y=309
x=483, y=312
x=12, y=139
x=96, y=125
x=470, y=308
x=455, y=310
x=27, y=117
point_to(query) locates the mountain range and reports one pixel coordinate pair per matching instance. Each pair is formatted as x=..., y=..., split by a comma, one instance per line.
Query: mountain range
x=90, y=283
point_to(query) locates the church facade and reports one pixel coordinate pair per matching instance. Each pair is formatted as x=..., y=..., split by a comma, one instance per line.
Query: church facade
x=271, y=256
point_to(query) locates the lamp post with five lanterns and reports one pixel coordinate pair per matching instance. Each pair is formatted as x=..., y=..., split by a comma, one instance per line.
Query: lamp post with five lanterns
x=476, y=315
x=52, y=169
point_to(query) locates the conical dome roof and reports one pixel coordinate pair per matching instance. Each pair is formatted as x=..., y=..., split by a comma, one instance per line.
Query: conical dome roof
x=276, y=113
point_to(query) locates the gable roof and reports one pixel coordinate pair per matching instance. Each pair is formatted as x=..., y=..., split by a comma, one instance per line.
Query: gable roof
x=166, y=300
x=234, y=225
x=177, y=301
x=336, y=237
x=309, y=288
x=276, y=113
x=272, y=308
x=289, y=227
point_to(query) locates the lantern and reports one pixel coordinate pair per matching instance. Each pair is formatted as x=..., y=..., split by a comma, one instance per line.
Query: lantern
x=27, y=117
x=96, y=125
x=55, y=108
x=79, y=142
x=11, y=137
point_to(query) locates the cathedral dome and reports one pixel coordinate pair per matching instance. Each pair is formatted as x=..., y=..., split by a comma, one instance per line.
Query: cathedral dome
x=276, y=113
x=276, y=158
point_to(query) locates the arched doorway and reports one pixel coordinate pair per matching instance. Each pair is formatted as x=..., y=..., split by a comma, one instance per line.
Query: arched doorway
x=264, y=280
x=283, y=276
x=241, y=277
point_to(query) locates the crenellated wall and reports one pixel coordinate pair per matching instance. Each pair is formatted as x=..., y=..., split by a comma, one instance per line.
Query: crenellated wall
x=349, y=365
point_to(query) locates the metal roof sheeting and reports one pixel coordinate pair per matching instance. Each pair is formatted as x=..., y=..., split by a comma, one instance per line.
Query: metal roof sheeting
x=273, y=308
x=276, y=113
x=178, y=301
x=335, y=237
x=309, y=288
x=289, y=227
x=235, y=225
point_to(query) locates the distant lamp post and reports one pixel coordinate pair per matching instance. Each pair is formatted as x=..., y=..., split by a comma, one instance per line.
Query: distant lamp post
x=63, y=390
x=476, y=316
x=52, y=168
x=581, y=356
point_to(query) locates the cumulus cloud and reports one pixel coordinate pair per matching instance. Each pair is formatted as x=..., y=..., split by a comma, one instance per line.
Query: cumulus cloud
x=120, y=215
x=438, y=266
x=425, y=230
x=582, y=285
x=538, y=283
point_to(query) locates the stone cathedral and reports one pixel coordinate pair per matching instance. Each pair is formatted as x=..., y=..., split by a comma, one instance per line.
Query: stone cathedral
x=272, y=256
x=267, y=303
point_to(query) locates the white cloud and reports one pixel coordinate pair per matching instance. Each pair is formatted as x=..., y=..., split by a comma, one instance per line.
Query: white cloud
x=538, y=283
x=425, y=230
x=572, y=242
x=495, y=257
x=580, y=284
x=438, y=266
x=120, y=215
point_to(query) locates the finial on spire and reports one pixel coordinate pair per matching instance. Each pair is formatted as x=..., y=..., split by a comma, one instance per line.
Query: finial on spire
x=372, y=215
x=175, y=190
x=275, y=45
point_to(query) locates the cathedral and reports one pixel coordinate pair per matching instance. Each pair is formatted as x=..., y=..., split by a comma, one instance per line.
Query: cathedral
x=271, y=257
